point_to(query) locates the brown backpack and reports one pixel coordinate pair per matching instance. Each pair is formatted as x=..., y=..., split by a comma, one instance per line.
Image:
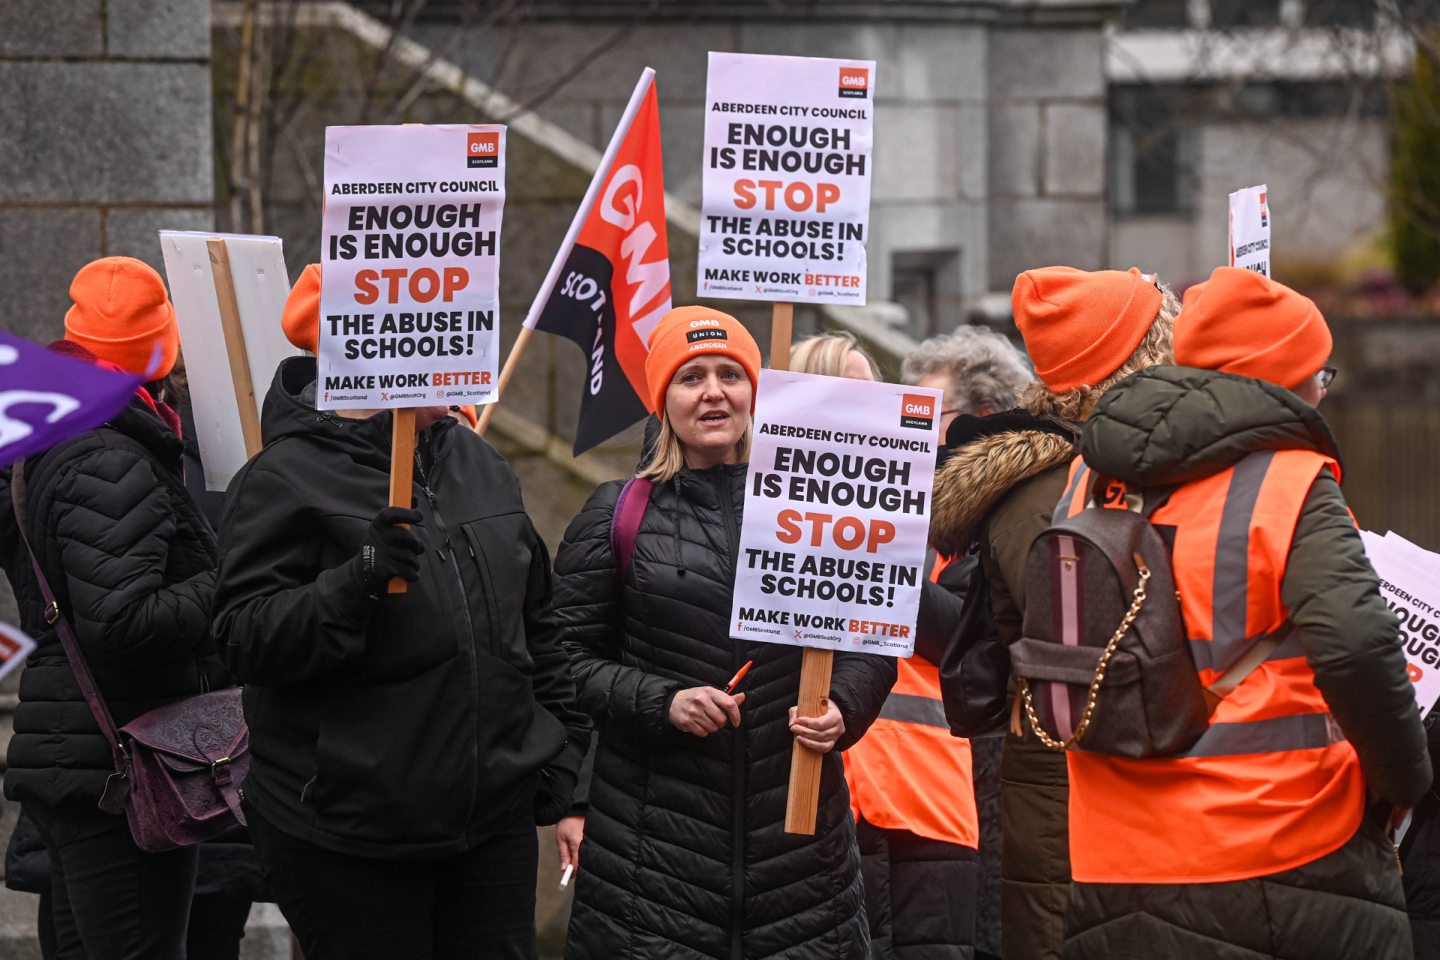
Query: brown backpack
x=1104, y=663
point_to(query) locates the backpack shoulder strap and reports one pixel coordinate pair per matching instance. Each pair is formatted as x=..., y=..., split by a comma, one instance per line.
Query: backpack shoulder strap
x=630, y=509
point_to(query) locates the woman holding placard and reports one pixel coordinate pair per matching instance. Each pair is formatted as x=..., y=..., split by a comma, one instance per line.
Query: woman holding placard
x=685, y=851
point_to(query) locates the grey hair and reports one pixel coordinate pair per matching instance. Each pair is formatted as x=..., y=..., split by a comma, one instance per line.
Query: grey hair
x=986, y=371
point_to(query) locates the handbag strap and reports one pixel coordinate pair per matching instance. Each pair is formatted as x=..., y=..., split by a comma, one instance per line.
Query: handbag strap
x=56, y=619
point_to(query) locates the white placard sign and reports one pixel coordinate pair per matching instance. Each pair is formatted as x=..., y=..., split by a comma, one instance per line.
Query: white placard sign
x=1250, y=229
x=257, y=270
x=788, y=150
x=837, y=510
x=1409, y=585
x=410, y=291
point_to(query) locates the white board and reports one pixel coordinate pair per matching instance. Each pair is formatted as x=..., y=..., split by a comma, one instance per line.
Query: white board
x=837, y=512
x=257, y=266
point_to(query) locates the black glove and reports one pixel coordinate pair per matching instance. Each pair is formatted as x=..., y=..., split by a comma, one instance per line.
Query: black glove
x=554, y=794
x=390, y=550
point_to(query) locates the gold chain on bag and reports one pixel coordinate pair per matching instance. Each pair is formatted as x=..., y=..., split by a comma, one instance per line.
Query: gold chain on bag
x=1089, y=713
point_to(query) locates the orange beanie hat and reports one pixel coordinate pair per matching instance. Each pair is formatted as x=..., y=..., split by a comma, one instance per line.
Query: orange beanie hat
x=1081, y=325
x=687, y=332
x=301, y=318
x=121, y=314
x=1241, y=322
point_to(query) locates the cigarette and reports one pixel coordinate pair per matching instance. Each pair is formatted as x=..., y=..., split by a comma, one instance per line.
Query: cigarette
x=739, y=675
x=565, y=877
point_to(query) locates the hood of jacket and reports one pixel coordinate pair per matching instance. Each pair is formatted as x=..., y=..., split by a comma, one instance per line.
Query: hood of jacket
x=289, y=411
x=977, y=474
x=1169, y=425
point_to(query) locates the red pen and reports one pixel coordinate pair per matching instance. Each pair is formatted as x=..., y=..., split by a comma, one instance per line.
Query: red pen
x=739, y=675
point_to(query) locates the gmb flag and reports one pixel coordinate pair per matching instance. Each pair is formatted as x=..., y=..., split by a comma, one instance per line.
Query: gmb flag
x=610, y=283
x=46, y=397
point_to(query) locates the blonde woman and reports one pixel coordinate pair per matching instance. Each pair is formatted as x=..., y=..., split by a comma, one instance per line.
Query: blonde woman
x=684, y=850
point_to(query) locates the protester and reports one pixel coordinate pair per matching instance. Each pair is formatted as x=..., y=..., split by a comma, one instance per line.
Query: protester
x=978, y=370
x=980, y=373
x=1084, y=331
x=910, y=781
x=685, y=852
x=405, y=745
x=834, y=354
x=1258, y=841
x=131, y=560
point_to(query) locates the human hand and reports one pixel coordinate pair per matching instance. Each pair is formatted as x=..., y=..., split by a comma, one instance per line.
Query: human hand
x=390, y=549
x=701, y=711
x=819, y=733
x=568, y=834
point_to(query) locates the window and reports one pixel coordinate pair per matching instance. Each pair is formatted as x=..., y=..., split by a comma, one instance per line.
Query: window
x=1340, y=13
x=1230, y=14
x=1158, y=14
x=1151, y=150
x=926, y=284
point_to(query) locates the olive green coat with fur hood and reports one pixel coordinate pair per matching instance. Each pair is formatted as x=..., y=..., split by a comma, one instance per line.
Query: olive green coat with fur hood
x=1169, y=425
x=1001, y=490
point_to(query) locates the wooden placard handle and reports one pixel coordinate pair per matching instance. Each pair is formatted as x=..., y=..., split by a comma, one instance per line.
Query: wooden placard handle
x=803, y=799
x=402, y=471
x=235, y=345
x=782, y=331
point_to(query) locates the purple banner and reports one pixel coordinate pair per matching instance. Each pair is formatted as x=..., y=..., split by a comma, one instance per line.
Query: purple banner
x=45, y=397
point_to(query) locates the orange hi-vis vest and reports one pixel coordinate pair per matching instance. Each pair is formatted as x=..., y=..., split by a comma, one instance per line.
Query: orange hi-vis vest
x=908, y=772
x=1272, y=784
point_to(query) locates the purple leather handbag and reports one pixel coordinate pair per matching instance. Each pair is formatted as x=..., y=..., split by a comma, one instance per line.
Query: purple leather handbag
x=178, y=768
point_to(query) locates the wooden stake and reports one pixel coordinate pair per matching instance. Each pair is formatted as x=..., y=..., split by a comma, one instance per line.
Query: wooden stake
x=235, y=345
x=402, y=471
x=508, y=371
x=782, y=327
x=803, y=799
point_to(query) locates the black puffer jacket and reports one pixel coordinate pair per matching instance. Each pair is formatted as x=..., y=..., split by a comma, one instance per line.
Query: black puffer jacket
x=685, y=853
x=1171, y=425
x=131, y=560
x=413, y=725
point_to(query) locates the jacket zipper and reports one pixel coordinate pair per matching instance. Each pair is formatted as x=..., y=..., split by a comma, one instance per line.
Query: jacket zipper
x=447, y=553
x=738, y=777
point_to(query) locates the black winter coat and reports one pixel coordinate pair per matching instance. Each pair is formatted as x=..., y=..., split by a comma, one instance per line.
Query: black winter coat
x=685, y=855
x=406, y=726
x=131, y=560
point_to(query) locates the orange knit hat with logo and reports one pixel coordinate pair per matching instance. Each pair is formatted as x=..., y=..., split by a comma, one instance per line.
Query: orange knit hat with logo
x=1241, y=322
x=121, y=314
x=1081, y=325
x=301, y=318
x=687, y=332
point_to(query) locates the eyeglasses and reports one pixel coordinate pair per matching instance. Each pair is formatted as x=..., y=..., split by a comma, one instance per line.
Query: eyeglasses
x=1325, y=377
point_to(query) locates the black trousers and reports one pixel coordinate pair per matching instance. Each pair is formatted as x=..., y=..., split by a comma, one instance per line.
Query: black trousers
x=478, y=905
x=111, y=900
x=919, y=895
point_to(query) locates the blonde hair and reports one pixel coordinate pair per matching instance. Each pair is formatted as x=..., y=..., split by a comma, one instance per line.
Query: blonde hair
x=1155, y=348
x=826, y=354
x=669, y=456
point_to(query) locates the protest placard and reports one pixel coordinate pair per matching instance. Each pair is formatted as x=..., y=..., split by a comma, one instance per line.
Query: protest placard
x=1409, y=585
x=837, y=510
x=786, y=186
x=228, y=308
x=1250, y=229
x=411, y=265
